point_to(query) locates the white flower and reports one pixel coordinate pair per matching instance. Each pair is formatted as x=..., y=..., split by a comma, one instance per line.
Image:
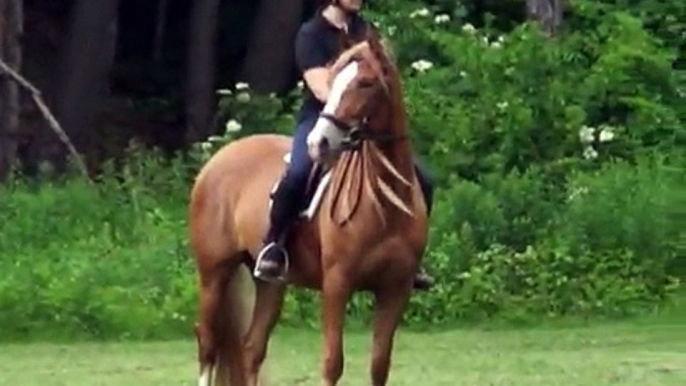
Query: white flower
x=206, y=146
x=590, y=153
x=242, y=86
x=577, y=192
x=440, y=19
x=224, y=91
x=463, y=74
x=419, y=12
x=501, y=38
x=503, y=105
x=243, y=97
x=586, y=134
x=301, y=85
x=391, y=30
x=422, y=65
x=496, y=45
x=233, y=126
x=606, y=134
x=468, y=28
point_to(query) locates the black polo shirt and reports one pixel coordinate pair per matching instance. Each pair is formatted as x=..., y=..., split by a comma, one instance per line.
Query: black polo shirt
x=317, y=44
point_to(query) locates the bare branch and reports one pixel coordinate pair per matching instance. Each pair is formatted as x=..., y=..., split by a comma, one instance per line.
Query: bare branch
x=52, y=122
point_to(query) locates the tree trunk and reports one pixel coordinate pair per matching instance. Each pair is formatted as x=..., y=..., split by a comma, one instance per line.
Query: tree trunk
x=11, y=28
x=201, y=67
x=160, y=26
x=547, y=12
x=86, y=62
x=268, y=66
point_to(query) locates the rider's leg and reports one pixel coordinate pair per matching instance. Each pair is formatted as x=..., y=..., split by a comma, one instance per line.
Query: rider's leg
x=422, y=279
x=286, y=204
x=426, y=183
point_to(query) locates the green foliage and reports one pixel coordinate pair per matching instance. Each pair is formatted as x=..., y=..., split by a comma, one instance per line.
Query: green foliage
x=493, y=103
x=560, y=183
x=96, y=260
x=603, y=249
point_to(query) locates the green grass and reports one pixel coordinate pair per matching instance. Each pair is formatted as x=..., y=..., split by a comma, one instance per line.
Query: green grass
x=629, y=353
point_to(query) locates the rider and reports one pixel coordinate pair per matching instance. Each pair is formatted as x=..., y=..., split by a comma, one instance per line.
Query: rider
x=317, y=44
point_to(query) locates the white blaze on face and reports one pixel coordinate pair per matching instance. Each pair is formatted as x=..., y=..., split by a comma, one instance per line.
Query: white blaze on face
x=325, y=128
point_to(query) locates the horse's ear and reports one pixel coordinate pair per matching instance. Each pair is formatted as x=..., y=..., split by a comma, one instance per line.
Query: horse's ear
x=377, y=47
x=374, y=39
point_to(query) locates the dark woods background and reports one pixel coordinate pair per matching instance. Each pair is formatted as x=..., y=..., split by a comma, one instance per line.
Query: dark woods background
x=115, y=70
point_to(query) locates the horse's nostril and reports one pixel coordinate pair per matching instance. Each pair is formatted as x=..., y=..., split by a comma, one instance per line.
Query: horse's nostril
x=324, y=146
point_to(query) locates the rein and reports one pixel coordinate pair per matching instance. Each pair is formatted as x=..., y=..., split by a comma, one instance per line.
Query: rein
x=356, y=135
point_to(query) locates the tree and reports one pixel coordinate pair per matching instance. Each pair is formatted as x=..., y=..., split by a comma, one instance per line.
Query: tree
x=11, y=22
x=86, y=62
x=268, y=65
x=201, y=67
x=547, y=12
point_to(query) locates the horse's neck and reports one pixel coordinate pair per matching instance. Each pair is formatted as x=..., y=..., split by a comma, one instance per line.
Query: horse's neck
x=380, y=175
x=391, y=169
x=397, y=151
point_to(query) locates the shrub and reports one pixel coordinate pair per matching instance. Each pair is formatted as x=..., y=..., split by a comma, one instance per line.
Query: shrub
x=559, y=166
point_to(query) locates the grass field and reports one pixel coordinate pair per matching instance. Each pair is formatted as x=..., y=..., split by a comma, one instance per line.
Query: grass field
x=627, y=354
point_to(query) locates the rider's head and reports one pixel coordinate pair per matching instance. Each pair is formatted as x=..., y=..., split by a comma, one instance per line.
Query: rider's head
x=347, y=6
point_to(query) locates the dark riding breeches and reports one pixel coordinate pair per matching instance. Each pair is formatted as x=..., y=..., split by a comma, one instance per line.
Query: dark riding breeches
x=289, y=197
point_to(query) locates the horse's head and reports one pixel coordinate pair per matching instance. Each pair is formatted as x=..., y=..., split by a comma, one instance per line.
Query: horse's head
x=358, y=93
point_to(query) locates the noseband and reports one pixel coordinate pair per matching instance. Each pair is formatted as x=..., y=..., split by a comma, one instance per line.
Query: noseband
x=355, y=135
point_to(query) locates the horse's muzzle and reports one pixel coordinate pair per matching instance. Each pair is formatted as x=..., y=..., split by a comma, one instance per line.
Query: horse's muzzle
x=320, y=149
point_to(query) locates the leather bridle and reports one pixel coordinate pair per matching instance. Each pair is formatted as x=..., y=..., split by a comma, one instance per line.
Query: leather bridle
x=355, y=135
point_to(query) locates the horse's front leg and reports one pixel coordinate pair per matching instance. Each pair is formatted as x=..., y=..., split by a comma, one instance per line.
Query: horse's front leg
x=390, y=304
x=268, y=303
x=335, y=294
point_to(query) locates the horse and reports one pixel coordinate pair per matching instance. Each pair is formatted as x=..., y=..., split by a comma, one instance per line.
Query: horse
x=365, y=228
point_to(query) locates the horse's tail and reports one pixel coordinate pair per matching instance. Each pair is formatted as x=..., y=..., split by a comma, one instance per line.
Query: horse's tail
x=233, y=318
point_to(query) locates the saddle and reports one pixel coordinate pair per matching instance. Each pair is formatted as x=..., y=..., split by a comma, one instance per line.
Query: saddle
x=317, y=184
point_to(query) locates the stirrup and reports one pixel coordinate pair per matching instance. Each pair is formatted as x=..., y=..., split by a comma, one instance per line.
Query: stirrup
x=260, y=275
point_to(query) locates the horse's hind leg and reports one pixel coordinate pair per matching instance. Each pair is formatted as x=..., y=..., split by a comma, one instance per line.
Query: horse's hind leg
x=389, y=309
x=268, y=303
x=212, y=283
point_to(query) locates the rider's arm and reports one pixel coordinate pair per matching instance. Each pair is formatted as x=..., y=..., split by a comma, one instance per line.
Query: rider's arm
x=319, y=78
x=312, y=62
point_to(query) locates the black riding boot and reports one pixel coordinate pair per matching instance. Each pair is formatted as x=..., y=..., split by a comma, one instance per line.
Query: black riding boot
x=272, y=261
x=423, y=280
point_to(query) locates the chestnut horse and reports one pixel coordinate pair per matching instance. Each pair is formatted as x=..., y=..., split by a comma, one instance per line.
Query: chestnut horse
x=366, y=231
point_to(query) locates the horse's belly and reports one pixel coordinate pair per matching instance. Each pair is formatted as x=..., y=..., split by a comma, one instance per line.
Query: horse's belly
x=247, y=170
